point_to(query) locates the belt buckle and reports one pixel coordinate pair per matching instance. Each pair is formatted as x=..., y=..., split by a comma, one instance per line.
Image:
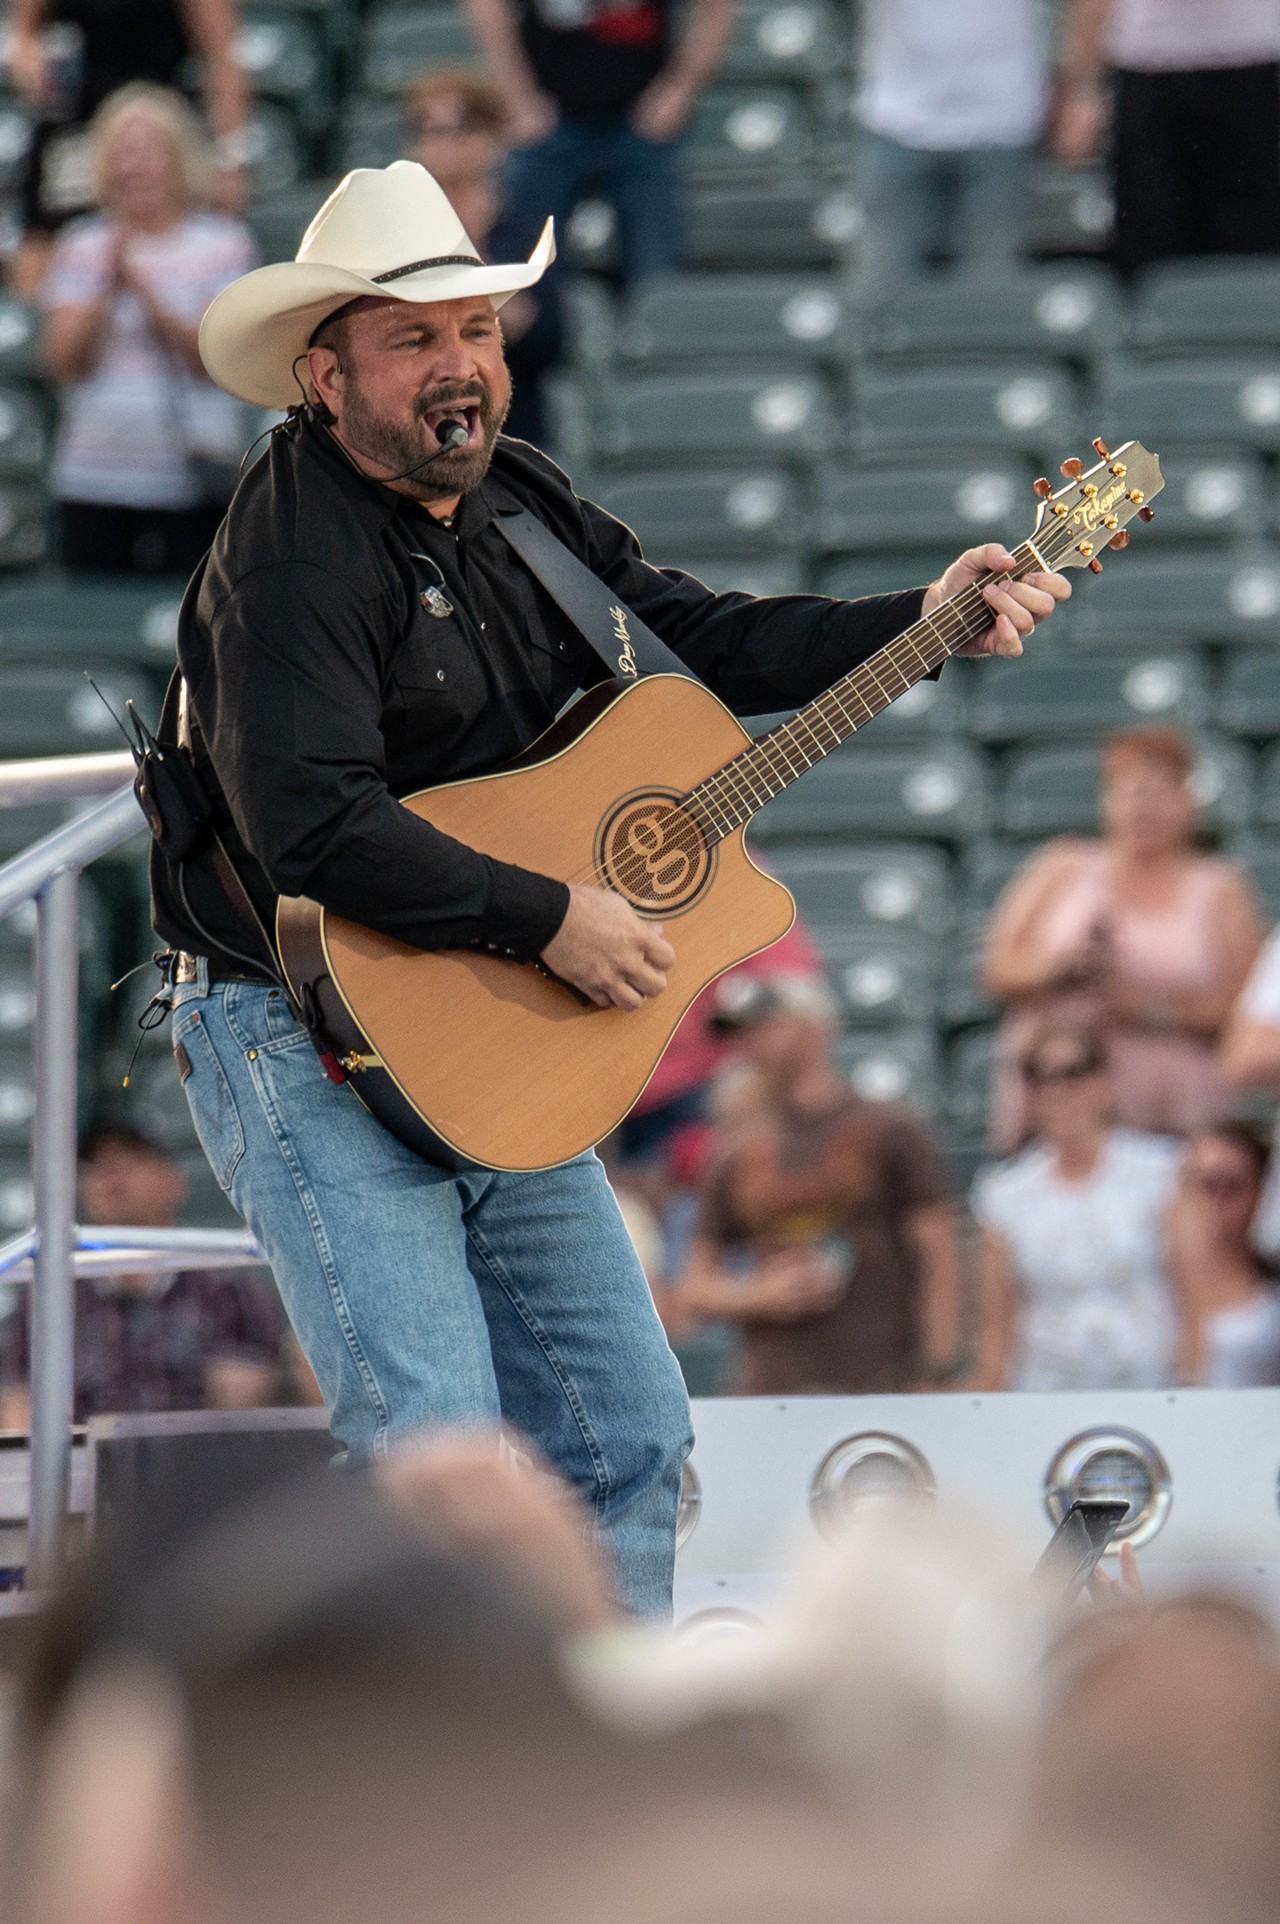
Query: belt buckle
x=186, y=968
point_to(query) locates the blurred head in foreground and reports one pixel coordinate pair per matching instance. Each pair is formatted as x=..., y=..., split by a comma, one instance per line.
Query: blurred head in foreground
x=1149, y=809
x=1068, y=1090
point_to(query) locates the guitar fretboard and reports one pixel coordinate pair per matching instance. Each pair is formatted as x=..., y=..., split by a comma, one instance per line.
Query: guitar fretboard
x=730, y=797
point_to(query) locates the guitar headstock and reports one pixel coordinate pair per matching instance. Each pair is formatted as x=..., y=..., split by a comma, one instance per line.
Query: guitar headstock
x=1092, y=511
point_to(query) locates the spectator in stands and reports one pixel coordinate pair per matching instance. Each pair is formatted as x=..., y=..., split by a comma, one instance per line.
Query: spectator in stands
x=458, y=133
x=1228, y=1300
x=950, y=105
x=597, y=94
x=827, y=1234
x=1074, y=1287
x=65, y=57
x=1251, y=1061
x=1139, y=931
x=147, y=446
x=182, y=1340
x=1195, y=93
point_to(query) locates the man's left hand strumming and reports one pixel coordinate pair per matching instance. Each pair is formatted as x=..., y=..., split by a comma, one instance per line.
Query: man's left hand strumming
x=1016, y=605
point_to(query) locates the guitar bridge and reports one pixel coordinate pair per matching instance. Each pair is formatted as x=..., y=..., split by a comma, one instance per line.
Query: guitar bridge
x=354, y=1062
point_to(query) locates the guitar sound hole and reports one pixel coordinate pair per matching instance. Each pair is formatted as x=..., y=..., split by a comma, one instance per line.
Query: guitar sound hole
x=654, y=854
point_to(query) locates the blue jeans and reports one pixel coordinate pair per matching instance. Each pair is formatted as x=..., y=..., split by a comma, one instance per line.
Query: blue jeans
x=969, y=202
x=422, y=1297
x=639, y=178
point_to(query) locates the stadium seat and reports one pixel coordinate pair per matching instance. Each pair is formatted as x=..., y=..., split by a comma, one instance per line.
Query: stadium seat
x=1070, y=209
x=880, y=976
x=883, y=573
x=968, y=1080
x=1051, y=791
x=723, y=317
x=1206, y=594
x=1269, y=790
x=962, y=999
x=278, y=225
x=785, y=415
x=1207, y=492
x=985, y=871
x=785, y=39
x=17, y=1195
x=24, y=432
x=17, y=1093
x=748, y=577
x=716, y=511
x=1260, y=858
x=940, y=792
x=930, y=710
x=737, y=127
x=54, y=711
x=371, y=133
x=281, y=55
x=24, y=525
x=889, y=507
x=1073, y=310
x=892, y=1065
x=275, y=155
x=890, y=886
x=402, y=42
x=1052, y=694
x=1249, y=695
x=19, y=340
x=1208, y=304
x=1019, y=405
x=795, y=223
x=17, y=1002
x=1193, y=399
x=87, y=618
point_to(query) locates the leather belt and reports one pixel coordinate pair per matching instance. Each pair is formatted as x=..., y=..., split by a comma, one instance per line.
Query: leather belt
x=186, y=969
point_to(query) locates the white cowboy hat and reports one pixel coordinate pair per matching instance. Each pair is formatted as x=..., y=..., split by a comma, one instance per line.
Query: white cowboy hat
x=387, y=231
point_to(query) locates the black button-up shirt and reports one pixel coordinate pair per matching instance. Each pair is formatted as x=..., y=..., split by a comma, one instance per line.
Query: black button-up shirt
x=323, y=686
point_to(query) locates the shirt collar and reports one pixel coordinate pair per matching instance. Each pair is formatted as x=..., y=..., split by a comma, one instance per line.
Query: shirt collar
x=380, y=503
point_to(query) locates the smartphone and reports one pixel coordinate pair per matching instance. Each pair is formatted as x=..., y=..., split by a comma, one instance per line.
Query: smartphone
x=1078, y=1542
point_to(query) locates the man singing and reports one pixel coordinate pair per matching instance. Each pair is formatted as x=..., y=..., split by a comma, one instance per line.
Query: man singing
x=359, y=631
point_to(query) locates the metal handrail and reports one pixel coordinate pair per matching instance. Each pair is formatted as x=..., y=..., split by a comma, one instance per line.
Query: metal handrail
x=54, y=1251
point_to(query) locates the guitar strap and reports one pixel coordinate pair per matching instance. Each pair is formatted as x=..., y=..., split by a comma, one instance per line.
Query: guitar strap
x=626, y=646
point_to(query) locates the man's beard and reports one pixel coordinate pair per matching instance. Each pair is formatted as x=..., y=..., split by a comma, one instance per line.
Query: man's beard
x=398, y=445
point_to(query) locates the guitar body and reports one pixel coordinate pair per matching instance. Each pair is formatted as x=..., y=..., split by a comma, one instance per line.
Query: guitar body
x=479, y=1060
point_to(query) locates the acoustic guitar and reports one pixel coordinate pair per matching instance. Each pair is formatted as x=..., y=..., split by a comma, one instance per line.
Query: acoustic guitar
x=645, y=787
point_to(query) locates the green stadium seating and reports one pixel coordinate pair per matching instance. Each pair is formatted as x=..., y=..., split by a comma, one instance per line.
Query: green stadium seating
x=968, y=1080
x=17, y=1002
x=1070, y=210
x=716, y=511
x=892, y=1065
x=931, y=710
x=15, y=139
x=371, y=133
x=24, y=432
x=17, y=1093
x=796, y=223
x=274, y=149
x=24, y=525
x=1190, y=399
x=880, y=976
x=402, y=42
x=1020, y=405
x=91, y=619
x=888, y=887
x=1073, y=310
x=739, y=127
x=785, y=415
x=1052, y=695
x=1249, y=695
x=883, y=573
x=1209, y=492
x=748, y=577
x=985, y=872
x=1268, y=813
x=278, y=225
x=19, y=340
x=722, y=317
x=1052, y=791
x=962, y=999
x=54, y=711
x=940, y=792
x=1208, y=304
x=785, y=39
x=1205, y=594
x=1260, y=858
x=957, y=504
x=17, y=1195
x=281, y=55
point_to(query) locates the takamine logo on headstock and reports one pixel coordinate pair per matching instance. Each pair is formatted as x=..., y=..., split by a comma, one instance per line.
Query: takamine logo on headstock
x=1090, y=513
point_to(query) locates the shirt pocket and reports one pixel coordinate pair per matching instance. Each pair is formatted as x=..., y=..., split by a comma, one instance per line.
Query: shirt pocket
x=436, y=659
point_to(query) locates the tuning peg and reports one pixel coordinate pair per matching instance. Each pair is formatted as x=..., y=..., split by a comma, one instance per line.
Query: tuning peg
x=1043, y=488
x=1120, y=540
x=1101, y=449
x=1146, y=514
x=1073, y=469
x=1095, y=566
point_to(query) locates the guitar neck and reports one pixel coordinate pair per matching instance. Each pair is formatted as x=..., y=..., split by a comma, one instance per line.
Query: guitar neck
x=728, y=799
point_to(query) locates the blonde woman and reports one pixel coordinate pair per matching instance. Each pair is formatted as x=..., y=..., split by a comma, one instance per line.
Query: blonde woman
x=144, y=434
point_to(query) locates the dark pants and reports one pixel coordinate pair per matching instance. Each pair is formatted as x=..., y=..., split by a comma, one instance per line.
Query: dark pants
x=97, y=539
x=1197, y=164
x=639, y=178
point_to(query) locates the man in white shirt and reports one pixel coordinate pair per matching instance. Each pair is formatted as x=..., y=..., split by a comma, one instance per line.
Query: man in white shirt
x=1196, y=106
x=950, y=102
